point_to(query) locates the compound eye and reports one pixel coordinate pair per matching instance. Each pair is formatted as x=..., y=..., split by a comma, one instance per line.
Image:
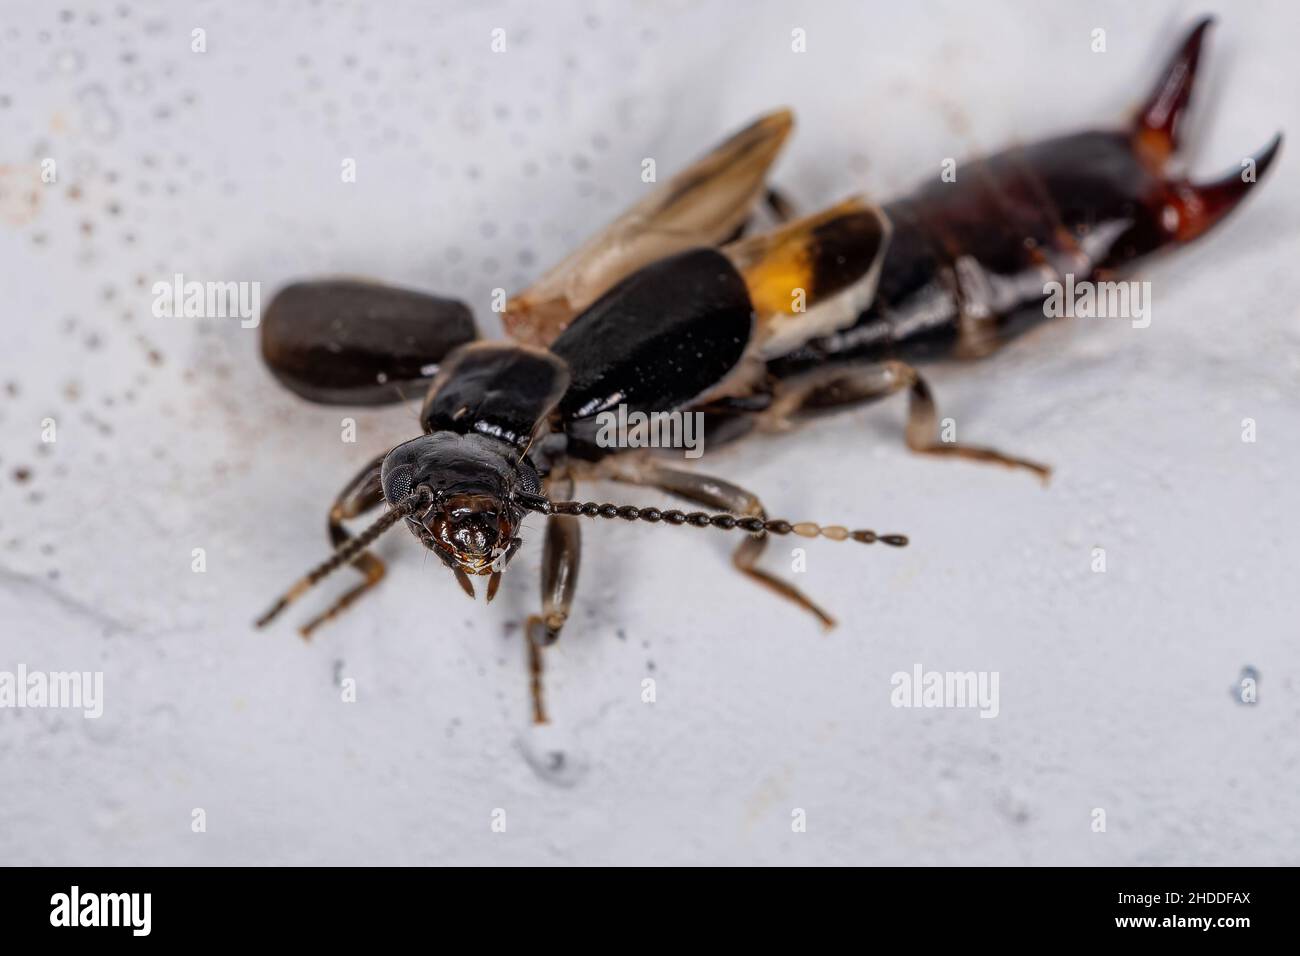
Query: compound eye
x=529, y=481
x=397, y=482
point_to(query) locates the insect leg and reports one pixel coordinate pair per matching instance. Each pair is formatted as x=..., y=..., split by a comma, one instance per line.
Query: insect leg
x=363, y=493
x=561, y=553
x=779, y=205
x=923, y=427
x=833, y=388
x=777, y=210
x=716, y=493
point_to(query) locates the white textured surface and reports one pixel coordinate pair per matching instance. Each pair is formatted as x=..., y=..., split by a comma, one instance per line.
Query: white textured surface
x=476, y=170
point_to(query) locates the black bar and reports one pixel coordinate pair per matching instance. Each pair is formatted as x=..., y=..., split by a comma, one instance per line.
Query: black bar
x=333, y=906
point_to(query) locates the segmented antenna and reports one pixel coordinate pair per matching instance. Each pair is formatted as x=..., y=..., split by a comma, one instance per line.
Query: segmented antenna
x=348, y=551
x=702, y=519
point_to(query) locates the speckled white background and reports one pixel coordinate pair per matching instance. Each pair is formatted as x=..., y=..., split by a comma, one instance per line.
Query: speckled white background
x=477, y=170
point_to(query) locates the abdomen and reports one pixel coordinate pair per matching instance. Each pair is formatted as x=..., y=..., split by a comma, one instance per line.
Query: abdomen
x=966, y=268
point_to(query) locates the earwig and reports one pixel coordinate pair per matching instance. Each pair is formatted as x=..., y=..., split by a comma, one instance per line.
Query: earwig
x=673, y=307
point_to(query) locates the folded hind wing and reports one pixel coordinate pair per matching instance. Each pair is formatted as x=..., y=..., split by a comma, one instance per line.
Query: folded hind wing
x=704, y=205
x=813, y=276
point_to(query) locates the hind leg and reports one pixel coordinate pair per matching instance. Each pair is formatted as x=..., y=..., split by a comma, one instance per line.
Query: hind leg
x=833, y=388
x=780, y=206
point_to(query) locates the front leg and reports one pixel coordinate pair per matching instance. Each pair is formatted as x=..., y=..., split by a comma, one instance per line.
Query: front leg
x=362, y=494
x=561, y=553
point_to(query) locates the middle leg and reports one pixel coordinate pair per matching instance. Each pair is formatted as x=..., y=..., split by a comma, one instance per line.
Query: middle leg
x=723, y=495
x=561, y=553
